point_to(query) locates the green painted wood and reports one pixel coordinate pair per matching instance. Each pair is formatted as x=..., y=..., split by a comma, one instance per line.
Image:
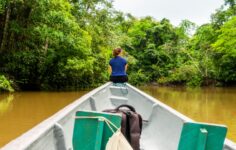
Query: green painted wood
x=202, y=139
x=87, y=131
x=99, y=134
x=191, y=136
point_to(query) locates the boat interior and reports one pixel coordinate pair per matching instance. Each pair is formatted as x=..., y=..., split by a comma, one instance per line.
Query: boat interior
x=162, y=125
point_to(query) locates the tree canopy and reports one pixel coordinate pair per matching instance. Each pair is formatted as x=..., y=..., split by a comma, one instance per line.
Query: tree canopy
x=67, y=44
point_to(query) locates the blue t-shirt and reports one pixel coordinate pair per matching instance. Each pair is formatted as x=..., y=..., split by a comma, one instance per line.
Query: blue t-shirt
x=118, y=66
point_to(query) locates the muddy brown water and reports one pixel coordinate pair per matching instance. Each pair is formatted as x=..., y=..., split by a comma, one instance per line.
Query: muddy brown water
x=21, y=111
x=208, y=104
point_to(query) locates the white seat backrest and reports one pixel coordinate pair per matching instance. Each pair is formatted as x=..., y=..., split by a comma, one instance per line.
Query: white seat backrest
x=163, y=130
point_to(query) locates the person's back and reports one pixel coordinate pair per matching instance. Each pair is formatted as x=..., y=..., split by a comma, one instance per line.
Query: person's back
x=118, y=66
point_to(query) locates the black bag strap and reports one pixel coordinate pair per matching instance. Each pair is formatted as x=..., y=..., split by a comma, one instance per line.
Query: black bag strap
x=127, y=106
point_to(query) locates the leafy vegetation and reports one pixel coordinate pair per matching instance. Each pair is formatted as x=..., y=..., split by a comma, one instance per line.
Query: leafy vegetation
x=5, y=85
x=225, y=52
x=65, y=45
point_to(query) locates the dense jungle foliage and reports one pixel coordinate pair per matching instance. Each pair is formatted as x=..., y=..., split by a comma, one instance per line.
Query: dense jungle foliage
x=67, y=44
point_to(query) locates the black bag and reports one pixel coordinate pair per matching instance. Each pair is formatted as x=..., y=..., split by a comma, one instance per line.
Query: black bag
x=131, y=124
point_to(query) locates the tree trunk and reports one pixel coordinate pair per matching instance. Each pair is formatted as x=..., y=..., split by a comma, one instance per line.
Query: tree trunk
x=4, y=37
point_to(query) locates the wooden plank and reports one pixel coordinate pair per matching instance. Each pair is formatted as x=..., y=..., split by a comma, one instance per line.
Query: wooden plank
x=99, y=135
x=202, y=138
x=90, y=132
x=192, y=136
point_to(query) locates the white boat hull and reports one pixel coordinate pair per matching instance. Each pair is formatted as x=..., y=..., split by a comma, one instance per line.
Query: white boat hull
x=161, y=132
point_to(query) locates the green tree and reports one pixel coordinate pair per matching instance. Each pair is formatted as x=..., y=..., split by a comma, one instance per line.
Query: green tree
x=154, y=45
x=102, y=22
x=225, y=54
x=44, y=37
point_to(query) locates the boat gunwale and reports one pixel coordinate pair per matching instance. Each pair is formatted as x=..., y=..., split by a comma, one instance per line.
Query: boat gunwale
x=30, y=137
x=227, y=144
x=158, y=102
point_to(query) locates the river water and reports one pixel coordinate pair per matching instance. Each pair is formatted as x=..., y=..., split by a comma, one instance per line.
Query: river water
x=209, y=104
x=21, y=111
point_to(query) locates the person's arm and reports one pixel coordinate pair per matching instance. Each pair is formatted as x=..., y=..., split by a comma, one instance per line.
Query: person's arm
x=109, y=69
x=126, y=67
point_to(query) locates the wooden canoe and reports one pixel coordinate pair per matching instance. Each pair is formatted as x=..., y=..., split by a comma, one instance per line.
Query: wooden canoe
x=163, y=130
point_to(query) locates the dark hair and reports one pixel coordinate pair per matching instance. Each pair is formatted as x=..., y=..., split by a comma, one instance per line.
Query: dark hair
x=116, y=51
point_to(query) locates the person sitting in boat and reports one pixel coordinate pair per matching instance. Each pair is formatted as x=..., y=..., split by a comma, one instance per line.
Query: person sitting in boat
x=118, y=67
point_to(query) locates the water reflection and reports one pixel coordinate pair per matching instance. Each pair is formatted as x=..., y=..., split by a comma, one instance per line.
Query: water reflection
x=6, y=103
x=209, y=104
